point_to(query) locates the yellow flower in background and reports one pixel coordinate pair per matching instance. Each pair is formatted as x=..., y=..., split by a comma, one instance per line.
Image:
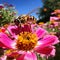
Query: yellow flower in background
x=52, y=21
x=6, y=25
x=41, y=23
x=0, y=30
x=45, y=9
x=58, y=15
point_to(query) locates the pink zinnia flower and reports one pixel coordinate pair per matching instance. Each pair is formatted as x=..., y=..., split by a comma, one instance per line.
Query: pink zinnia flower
x=56, y=11
x=30, y=43
x=53, y=18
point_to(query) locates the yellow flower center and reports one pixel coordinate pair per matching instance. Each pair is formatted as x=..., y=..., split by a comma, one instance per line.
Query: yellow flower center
x=26, y=41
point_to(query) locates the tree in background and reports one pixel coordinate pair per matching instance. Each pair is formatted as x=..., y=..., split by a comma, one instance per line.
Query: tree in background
x=49, y=6
x=7, y=13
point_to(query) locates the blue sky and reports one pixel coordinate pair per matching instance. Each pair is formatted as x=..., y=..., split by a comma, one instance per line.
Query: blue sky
x=24, y=6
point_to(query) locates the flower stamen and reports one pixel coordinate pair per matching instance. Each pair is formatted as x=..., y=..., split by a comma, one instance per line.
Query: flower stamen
x=26, y=41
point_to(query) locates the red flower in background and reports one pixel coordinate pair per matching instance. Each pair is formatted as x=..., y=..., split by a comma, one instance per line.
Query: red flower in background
x=1, y=7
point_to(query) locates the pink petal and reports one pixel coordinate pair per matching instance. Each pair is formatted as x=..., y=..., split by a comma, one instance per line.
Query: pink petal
x=42, y=55
x=44, y=50
x=10, y=29
x=6, y=41
x=22, y=52
x=56, y=23
x=27, y=28
x=34, y=27
x=53, y=18
x=21, y=57
x=53, y=52
x=14, y=30
x=49, y=40
x=40, y=32
x=30, y=56
x=12, y=54
x=58, y=11
x=2, y=45
x=3, y=57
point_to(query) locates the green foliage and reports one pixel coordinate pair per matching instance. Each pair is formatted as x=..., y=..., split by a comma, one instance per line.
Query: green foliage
x=7, y=14
x=52, y=4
